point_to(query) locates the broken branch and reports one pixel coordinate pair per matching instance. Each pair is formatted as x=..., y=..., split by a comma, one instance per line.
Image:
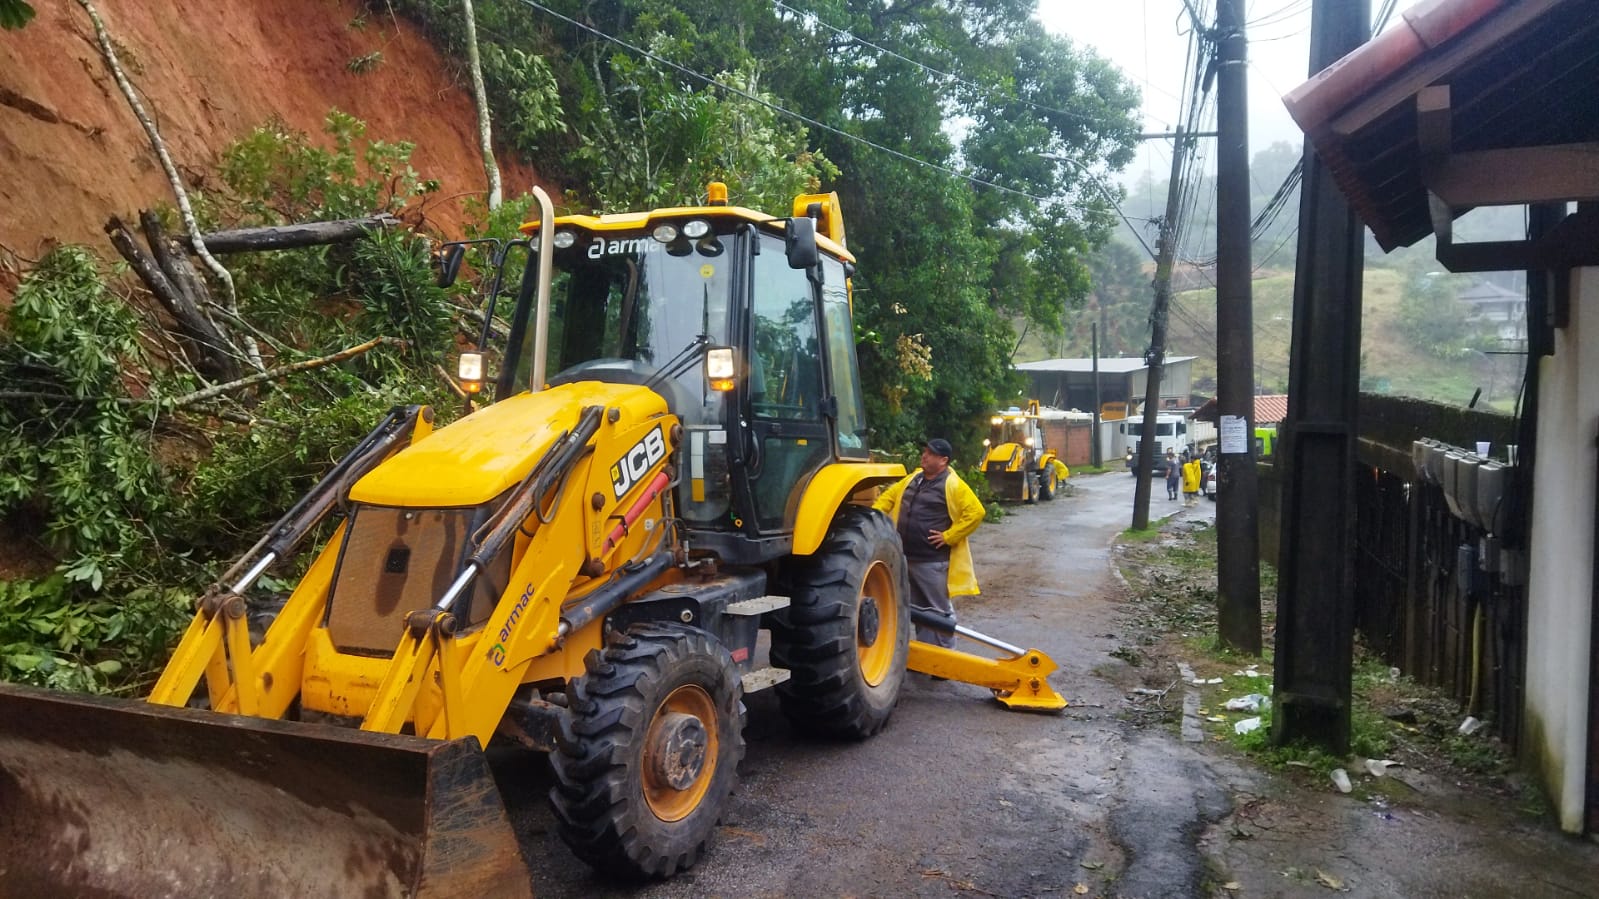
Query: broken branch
x=281, y=372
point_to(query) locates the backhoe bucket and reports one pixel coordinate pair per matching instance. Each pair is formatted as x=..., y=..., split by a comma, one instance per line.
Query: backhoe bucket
x=103, y=797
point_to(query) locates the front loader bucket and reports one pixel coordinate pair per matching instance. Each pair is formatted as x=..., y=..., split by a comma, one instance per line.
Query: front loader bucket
x=102, y=797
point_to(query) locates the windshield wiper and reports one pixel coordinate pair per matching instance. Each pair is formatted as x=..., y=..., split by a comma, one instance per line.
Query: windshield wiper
x=680, y=363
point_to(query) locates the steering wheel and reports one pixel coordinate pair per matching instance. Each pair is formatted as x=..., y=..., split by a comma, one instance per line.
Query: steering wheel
x=616, y=370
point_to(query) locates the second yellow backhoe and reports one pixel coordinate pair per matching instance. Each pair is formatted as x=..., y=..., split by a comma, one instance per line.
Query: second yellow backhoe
x=1017, y=459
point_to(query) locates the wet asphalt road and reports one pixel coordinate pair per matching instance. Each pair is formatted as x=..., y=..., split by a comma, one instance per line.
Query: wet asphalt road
x=958, y=795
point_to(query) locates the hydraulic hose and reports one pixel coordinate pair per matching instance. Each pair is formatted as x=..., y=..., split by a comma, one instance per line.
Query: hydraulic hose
x=605, y=600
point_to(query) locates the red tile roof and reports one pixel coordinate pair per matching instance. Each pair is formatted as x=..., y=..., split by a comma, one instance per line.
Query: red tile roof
x=1270, y=408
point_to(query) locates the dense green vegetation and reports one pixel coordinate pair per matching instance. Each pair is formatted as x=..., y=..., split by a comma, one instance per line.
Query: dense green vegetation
x=933, y=121
x=889, y=94
x=140, y=491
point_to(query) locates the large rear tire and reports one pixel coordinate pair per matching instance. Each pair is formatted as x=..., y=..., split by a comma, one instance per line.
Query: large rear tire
x=650, y=751
x=1046, y=483
x=846, y=632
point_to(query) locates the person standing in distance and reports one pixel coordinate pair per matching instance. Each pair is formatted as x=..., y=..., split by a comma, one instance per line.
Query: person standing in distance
x=1192, y=475
x=934, y=512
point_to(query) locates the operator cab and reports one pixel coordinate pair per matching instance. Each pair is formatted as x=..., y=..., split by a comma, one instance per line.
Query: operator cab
x=740, y=321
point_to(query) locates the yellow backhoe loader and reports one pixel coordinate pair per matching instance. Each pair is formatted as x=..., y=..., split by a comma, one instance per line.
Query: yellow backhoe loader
x=1018, y=463
x=671, y=458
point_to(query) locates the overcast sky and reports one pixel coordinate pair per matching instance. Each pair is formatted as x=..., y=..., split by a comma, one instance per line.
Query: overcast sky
x=1148, y=40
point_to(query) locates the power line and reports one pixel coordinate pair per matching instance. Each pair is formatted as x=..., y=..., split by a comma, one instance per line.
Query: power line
x=787, y=112
x=813, y=17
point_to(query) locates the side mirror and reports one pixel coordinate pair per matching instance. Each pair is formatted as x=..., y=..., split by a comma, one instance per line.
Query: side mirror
x=799, y=242
x=450, y=263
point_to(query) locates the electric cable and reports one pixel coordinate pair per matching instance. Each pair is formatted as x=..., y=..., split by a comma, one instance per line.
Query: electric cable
x=906, y=157
x=956, y=79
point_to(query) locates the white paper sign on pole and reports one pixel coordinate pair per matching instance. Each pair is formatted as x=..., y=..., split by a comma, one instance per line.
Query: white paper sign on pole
x=1234, y=434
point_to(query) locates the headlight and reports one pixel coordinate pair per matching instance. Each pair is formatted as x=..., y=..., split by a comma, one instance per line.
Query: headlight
x=1029, y=442
x=987, y=442
x=564, y=239
x=470, y=371
x=665, y=233
x=696, y=229
x=996, y=420
x=720, y=368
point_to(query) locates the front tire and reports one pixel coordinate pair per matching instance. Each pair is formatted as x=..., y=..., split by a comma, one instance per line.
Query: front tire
x=650, y=752
x=846, y=633
x=1047, y=483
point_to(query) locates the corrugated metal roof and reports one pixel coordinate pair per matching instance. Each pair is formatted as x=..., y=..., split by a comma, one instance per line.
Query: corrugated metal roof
x=1113, y=365
x=1521, y=74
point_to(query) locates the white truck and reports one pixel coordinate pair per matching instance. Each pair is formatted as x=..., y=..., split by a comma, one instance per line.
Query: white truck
x=1171, y=433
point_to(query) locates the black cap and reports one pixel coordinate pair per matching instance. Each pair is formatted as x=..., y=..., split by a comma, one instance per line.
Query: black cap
x=938, y=446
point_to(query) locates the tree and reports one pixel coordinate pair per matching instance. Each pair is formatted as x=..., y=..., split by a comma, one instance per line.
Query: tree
x=1430, y=315
x=480, y=96
x=230, y=303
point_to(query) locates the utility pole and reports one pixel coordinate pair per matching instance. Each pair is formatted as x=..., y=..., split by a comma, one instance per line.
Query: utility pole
x=1156, y=356
x=1093, y=454
x=1316, y=583
x=1237, y=529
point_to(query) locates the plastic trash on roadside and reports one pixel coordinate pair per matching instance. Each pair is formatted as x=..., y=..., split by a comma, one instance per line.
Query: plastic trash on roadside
x=1470, y=726
x=1340, y=779
x=1378, y=767
x=1246, y=725
x=1253, y=702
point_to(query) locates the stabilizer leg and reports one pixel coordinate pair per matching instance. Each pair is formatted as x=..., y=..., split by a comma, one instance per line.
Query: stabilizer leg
x=1020, y=680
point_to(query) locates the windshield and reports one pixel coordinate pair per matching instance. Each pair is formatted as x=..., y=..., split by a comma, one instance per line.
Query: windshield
x=624, y=306
x=1010, y=430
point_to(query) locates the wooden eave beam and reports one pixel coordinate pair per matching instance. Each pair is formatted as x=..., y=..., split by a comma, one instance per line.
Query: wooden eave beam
x=1456, y=182
x=1433, y=138
x=1571, y=244
x=1551, y=174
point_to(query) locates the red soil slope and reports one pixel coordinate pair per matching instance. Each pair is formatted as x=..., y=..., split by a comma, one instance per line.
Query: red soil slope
x=72, y=154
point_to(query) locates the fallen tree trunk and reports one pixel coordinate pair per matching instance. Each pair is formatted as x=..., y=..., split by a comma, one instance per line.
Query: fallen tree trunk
x=215, y=355
x=285, y=237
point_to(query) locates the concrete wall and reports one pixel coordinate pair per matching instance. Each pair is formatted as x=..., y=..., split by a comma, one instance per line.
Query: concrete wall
x=1560, y=588
x=1071, y=439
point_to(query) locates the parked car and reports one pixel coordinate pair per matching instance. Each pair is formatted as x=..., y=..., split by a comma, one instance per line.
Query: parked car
x=1208, y=484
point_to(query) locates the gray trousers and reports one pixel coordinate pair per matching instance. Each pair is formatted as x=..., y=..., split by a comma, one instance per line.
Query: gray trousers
x=930, y=591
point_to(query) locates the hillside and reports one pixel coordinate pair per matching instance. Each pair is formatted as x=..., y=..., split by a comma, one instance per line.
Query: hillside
x=72, y=154
x=1390, y=362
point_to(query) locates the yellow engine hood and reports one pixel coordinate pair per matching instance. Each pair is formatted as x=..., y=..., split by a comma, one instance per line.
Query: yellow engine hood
x=482, y=455
x=1007, y=454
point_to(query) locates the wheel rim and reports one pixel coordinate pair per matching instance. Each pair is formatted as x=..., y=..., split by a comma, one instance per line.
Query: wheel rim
x=680, y=751
x=876, y=645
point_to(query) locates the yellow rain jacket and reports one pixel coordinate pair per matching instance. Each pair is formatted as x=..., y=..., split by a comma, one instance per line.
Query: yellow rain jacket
x=1191, y=475
x=966, y=513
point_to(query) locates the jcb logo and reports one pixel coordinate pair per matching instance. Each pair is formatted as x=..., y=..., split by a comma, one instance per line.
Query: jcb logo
x=637, y=462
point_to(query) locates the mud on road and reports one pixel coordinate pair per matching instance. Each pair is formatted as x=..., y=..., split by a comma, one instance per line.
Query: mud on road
x=959, y=796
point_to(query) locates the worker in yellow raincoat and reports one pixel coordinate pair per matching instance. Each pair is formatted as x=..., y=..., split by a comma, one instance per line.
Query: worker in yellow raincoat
x=1192, y=474
x=934, y=512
